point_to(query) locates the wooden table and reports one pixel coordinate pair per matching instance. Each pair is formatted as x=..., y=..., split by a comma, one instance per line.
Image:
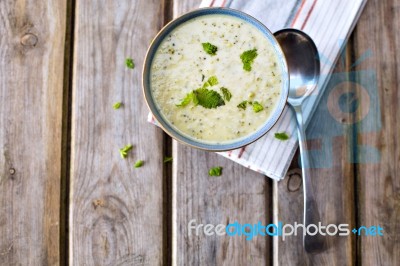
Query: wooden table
x=66, y=196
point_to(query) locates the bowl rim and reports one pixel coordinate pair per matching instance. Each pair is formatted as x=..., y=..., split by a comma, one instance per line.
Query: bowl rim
x=191, y=141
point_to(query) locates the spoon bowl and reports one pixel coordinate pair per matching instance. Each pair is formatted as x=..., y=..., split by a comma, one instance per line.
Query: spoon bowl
x=303, y=62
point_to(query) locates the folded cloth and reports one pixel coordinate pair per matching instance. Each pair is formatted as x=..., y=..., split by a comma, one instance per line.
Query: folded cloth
x=329, y=24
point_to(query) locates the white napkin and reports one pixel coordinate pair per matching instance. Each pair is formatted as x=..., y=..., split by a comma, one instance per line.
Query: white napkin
x=329, y=24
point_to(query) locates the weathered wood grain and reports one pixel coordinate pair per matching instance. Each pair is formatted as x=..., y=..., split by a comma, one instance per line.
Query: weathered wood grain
x=238, y=195
x=32, y=39
x=378, y=149
x=331, y=145
x=116, y=211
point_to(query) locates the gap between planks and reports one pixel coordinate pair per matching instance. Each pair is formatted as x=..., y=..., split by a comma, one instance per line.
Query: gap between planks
x=66, y=132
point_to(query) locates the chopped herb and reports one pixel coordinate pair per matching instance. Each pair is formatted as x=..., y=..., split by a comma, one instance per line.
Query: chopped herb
x=242, y=105
x=203, y=96
x=226, y=93
x=124, y=151
x=213, y=80
x=257, y=107
x=129, y=63
x=209, y=48
x=139, y=164
x=202, y=77
x=215, y=171
x=117, y=105
x=208, y=98
x=185, y=101
x=281, y=136
x=248, y=58
x=167, y=159
x=195, y=99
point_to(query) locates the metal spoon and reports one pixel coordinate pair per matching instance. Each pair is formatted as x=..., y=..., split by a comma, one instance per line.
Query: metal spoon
x=304, y=69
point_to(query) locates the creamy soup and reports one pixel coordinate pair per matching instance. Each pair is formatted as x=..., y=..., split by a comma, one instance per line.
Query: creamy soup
x=216, y=78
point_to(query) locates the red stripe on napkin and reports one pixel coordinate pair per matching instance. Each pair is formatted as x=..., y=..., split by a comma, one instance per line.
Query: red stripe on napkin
x=308, y=15
x=241, y=152
x=297, y=13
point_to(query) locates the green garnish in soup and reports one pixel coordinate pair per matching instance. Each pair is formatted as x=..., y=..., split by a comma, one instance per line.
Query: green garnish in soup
x=208, y=98
x=226, y=93
x=209, y=48
x=247, y=58
x=203, y=97
x=210, y=82
x=257, y=107
x=185, y=101
x=242, y=105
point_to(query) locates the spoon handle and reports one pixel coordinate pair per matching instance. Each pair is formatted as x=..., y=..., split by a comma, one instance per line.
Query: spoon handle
x=316, y=243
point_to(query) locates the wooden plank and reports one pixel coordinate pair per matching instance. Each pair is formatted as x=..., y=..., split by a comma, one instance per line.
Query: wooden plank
x=32, y=43
x=378, y=182
x=238, y=195
x=116, y=211
x=331, y=144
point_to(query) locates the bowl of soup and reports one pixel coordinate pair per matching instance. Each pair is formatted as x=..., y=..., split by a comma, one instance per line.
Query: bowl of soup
x=215, y=79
